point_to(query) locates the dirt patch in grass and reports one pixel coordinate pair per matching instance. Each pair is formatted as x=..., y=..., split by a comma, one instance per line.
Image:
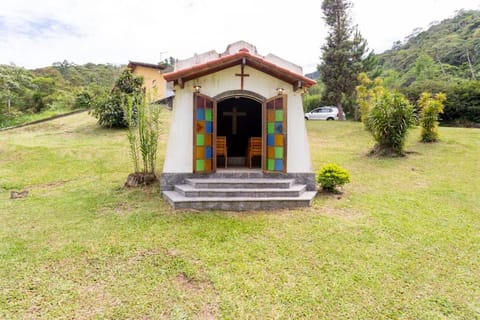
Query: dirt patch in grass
x=209, y=309
x=341, y=213
x=48, y=185
x=121, y=208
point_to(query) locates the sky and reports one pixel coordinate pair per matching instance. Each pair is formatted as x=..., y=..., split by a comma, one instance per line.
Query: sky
x=38, y=33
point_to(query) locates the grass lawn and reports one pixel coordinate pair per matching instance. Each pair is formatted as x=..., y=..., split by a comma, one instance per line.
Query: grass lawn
x=402, y=242
x=16, y=120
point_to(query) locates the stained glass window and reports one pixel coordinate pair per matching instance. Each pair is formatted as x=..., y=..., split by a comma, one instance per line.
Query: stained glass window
x=276, y=134
x=203, y=136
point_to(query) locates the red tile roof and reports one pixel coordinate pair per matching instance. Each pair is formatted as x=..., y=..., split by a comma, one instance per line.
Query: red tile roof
x=242, y=56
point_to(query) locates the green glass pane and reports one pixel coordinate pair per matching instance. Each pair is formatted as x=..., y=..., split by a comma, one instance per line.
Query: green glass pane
x=270, y=127
x=200, y=165
x=278, y=152
x=208, y=114
x=270, y=164
x=200, y=139
x=278, y=115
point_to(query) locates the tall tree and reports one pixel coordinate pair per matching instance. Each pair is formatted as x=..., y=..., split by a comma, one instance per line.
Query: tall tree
x=341, y=55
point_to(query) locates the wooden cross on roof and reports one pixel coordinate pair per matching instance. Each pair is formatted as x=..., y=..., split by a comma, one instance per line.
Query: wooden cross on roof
x=242, y=74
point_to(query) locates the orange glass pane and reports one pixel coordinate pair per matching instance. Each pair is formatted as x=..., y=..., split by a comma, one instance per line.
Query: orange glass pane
x=270, y=115
x=200, y=127
x=270, y=152
x=208, y=165
x=200, y=152
x=279, y=140
x=208, y=139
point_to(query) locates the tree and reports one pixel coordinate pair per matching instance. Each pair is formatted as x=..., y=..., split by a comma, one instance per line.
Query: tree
x=110, y=110
x=45, y=87
x=341, y=55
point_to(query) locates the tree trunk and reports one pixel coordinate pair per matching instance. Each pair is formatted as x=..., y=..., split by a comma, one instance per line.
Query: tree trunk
x=340, y=111
x=139, y=179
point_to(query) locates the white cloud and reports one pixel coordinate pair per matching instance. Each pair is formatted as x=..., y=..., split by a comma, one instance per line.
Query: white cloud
x=116, y=31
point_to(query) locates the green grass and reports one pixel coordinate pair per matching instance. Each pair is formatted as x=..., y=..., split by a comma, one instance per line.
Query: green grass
x=402, y=242
x=15, y=120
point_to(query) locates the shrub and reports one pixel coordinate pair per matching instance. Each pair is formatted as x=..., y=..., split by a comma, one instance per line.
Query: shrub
x=110, y=110
x=430, y=108
x=330, y=176
x=367, y=93
x=388, y=121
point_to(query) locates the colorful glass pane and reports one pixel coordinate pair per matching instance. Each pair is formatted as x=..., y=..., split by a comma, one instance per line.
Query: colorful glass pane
x=278, y=115
x=271, y=152
x=200, y=165
x=200, y=127
x=270, y=127
x=200, y=152
x=279, y=152
x=208, y=152
x=278, y=127
x=208, y=165
x=278, y=165
x=209, y=114
x=200, y=114
x=270, y=140
x=279, y=140
x=270, y=164
x=208, y=140
x=209, y=127
x=270, y=115
x=200, y=139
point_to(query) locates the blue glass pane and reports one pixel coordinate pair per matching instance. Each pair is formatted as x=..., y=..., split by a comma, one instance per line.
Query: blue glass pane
x=208, y=152
x=279, y=127
x=200, y=114
x=209, y=127
x=270, y=140
x=278, y=165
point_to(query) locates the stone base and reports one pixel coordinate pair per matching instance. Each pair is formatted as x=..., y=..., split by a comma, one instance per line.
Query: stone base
x=239, y=194
x=168, y=180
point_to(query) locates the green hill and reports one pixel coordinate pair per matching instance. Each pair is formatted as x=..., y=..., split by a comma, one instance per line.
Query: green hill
x=27, y=95
x=450, y=48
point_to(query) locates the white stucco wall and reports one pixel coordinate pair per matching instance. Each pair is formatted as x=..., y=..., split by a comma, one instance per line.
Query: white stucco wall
x=179, y=156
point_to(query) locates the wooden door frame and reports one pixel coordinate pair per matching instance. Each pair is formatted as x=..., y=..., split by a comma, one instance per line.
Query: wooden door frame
x=231, y=94
x=265, y=135
x=214, y=134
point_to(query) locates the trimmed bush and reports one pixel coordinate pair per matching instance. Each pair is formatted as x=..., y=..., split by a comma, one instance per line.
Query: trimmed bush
x=331, y=176
x=388, y=121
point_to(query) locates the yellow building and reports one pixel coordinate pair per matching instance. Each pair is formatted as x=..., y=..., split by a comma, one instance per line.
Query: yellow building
x=153, y=83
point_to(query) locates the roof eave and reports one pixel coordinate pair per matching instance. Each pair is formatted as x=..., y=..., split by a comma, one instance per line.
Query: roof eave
x=184, y=75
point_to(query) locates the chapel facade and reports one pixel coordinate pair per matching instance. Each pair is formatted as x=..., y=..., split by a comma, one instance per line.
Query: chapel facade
x=237, y=111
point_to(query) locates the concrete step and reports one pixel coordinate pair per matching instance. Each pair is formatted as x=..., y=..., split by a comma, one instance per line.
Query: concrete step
x=189, y=190
x=179, y=201
x=251, y=183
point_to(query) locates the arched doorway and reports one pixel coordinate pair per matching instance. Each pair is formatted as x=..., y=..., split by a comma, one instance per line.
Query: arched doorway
x=238, y=119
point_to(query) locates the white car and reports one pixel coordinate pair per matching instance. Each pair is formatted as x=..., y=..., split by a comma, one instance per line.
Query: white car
x=323, y=113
